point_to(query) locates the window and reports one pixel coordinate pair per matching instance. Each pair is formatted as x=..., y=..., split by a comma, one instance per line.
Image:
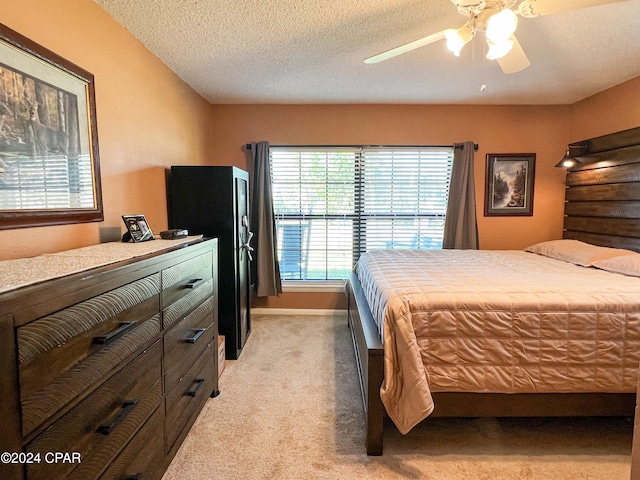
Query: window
x=334, y=203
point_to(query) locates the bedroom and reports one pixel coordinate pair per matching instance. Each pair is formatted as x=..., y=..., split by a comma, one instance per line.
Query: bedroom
x=149, y=119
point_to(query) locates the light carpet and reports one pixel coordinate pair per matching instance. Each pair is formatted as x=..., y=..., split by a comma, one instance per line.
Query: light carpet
x=290, y=408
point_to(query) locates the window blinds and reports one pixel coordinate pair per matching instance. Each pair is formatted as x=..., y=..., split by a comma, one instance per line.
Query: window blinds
x=334, y=203
x=403, y=197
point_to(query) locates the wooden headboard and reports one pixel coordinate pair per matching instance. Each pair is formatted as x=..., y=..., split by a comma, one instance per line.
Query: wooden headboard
x=603, y=192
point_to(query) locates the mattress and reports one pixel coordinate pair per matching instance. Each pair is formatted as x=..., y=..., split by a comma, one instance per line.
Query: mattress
x=497, y=321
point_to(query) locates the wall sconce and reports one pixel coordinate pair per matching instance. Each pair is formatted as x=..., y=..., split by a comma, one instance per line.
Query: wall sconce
x=571, y=159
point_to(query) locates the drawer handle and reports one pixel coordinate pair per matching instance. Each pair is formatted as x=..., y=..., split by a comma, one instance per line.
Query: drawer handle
x=194, y=283
x=117, y=333
x=197, y=334
x=137, y=476
x=125, y=410
x=194, y=392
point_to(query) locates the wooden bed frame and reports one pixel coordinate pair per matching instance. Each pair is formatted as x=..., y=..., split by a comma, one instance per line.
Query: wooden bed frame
x=602, y=207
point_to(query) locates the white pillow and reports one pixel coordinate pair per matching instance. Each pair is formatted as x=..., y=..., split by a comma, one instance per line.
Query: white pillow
x=576, y=252
x=625, y=264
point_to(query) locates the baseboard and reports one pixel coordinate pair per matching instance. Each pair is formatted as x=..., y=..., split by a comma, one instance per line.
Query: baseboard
x=298, y=311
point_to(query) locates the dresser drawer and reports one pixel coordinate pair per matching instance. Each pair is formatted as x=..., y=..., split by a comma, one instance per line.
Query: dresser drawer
x=143, y=457
x=101, y=425
x=177, y=310
x=189, y=394
x=181, y=279
x=66, y=354
x=184, y=343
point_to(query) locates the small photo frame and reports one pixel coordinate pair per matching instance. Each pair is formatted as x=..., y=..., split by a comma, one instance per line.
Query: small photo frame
x=509, y=185
x=138, y=229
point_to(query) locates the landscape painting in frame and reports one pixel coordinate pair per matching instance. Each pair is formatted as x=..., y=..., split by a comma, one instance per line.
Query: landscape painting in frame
x=509, y=184
x=49, y=170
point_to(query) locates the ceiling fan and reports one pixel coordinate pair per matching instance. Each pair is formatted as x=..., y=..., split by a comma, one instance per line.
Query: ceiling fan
x=498, y=21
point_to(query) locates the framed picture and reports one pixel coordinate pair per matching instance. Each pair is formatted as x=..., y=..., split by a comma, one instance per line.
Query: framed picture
x=138, y=229
x=49, y=162
x=509, y=184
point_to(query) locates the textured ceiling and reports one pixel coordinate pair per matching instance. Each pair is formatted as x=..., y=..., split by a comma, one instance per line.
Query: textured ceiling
x=305, y=51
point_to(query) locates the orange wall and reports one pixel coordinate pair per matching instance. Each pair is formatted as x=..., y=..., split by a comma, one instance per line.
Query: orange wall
x=497, y=129
x=615, y=109
x=306, y=300
x=147, y=118
x=544, y=130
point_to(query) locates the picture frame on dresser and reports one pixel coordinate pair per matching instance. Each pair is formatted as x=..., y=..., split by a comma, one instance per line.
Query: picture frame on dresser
x=509, y=184
x=138, y=229
x=47, y=131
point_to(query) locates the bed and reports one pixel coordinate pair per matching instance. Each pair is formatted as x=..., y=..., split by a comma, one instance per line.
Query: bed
x=550, y=330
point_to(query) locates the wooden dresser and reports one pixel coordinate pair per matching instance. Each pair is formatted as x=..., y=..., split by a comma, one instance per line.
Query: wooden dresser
x=103, y=371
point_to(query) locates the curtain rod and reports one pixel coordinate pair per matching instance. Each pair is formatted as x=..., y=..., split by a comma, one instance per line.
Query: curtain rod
x=456, y=146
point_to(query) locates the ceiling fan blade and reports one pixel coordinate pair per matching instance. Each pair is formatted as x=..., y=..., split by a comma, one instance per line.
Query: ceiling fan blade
x=534, y=8
x=394, y=52
x=514, y=61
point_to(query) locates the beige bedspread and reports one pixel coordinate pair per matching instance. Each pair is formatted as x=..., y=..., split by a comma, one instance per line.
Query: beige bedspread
x=497, y=321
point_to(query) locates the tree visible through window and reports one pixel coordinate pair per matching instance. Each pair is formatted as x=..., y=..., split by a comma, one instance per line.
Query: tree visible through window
x=334, y=203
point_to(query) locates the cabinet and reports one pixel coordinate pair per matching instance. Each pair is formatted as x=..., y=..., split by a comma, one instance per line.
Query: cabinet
x=213, y=201
x=109, y=364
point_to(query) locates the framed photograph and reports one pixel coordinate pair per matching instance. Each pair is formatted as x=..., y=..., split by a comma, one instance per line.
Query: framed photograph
x=509, y=184
x=138, y=229
x=49, y=162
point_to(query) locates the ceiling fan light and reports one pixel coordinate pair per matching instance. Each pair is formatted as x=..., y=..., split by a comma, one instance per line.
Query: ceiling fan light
x=501, y=25
x=499, y=50
x=456, y=39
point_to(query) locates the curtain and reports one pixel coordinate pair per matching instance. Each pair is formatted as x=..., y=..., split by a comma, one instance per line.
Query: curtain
x=264, y=268
x=460, y=226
